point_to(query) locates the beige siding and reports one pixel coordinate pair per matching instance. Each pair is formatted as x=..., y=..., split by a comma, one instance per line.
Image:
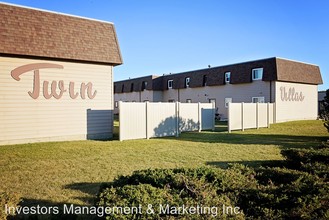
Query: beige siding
x=238, y=93
x=146, y=95
x=24, y=119
x=171, y=94
x=157, y=96
x=288, y=110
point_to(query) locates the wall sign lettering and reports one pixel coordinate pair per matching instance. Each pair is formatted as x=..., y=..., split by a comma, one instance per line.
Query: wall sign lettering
x=291, y=94
x=54, y=89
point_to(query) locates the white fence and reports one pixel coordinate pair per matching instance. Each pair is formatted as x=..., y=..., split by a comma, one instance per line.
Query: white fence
x=250, y=115
x=148, y=119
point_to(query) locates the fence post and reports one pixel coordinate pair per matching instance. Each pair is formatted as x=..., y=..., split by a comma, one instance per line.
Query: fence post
x=242, y=118
x=177, y=119
x=199, y=116
x=274, y=112
x=147, y=119
x=229, y=116
x=213, y=115
x=257, y=115
x=268, y=114
x=120, y=116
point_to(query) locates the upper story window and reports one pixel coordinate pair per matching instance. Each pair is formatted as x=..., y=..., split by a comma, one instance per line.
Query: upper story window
x=187, y=82
x=227, y=77
x=132, y=87
x=170, y=83
x=204, y=82
x=123, y=88
x=257, y=74
x=144, y=85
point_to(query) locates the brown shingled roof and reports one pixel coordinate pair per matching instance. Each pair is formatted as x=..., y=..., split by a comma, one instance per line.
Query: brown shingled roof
x=37, y=33
x=274, y=69
x=137, y=84
x=293, y=71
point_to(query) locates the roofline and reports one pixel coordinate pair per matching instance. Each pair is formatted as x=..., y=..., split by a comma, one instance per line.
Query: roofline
x=152, y=76
x=269, y=58
x=220, y=66
x=296, y=61
x=189, y=71
x=58, y=59
x=117, y=42
x=58, y=13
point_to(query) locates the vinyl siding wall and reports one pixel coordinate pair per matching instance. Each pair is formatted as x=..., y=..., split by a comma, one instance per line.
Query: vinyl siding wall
x=146, y=95
x=238, y=93
x=288, y=110
x=24, y=119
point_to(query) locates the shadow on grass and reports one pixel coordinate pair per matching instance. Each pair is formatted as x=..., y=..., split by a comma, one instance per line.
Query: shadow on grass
x=220, y=135
x=89, y=188
x=254, y=164
x=285, y=141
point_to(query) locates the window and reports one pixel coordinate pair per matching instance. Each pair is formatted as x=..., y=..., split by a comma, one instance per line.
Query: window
x=187, y=82
x=257, y=74
x=144, y=85
x=258, y=99
x=123, y=88
x=171, y=100
x=204, y=82
x=132, y=87
x=212, y=101
x=188, y=100
x=227, y=77
x=170, y=83
x=116, y=104
x=227, y=100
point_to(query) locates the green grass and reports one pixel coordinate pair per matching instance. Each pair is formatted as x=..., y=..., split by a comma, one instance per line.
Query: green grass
x=71, y=172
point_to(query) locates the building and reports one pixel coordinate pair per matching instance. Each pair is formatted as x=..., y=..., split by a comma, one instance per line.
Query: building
x=321, y=96
x=291, y=85
x=55, y=76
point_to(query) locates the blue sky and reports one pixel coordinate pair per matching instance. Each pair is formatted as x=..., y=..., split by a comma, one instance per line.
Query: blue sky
x=170, y=36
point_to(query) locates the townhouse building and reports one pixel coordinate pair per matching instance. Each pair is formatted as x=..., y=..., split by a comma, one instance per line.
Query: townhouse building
x=292, y=85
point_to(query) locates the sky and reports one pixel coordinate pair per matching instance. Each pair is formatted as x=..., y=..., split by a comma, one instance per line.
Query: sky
x=170, y=36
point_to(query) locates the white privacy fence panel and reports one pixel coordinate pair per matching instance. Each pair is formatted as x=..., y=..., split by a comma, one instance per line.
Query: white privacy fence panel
x=234, y=116
x=207, y=116
x=161, y=119
x=250, y=115
x=134, y=125
x=148, y=119
x=189, y=116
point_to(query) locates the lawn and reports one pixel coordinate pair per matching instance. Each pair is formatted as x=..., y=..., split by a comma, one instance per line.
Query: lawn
x=71, y=172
